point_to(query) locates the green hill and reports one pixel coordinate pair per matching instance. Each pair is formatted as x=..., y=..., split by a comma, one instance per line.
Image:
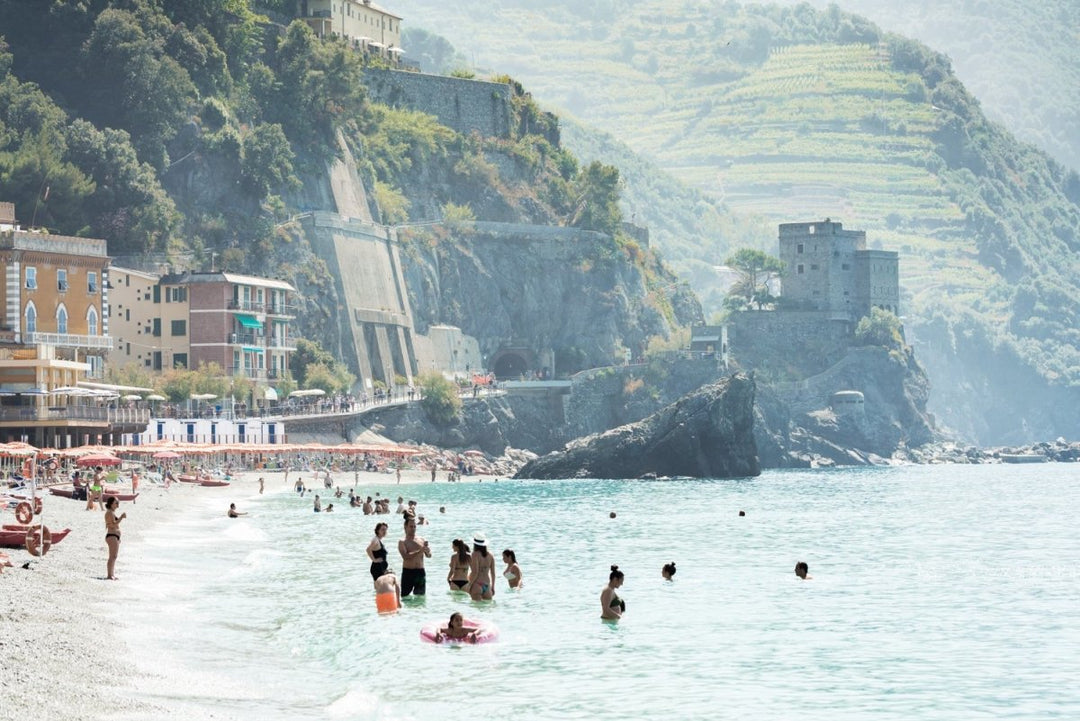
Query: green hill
x=795, y=114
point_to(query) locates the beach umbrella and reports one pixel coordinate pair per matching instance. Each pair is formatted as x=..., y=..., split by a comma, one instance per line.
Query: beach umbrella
x=98, y=459
x=203, y=397
x=131, y=397
x=166, y=455
x=156, y=397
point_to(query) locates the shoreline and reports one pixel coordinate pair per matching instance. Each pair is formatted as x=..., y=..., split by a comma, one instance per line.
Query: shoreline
x=62, y=625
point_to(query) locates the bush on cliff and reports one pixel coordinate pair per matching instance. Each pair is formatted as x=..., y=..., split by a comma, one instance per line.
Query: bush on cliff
x=440, y=400
x=881, y=328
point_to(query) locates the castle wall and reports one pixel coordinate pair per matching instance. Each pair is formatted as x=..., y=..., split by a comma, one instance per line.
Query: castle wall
x=819, y=264
x=461, y=104
x=878, y=286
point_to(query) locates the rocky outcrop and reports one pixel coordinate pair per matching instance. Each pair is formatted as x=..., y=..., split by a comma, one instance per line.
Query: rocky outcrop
x=707, y=434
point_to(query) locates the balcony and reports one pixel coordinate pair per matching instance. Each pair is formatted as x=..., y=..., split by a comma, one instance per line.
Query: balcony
x=287, y=310
x=252, y=373
x=281, y=344
x=250, y=306
x=30, y=414
x=69, y=340
x=251, y=338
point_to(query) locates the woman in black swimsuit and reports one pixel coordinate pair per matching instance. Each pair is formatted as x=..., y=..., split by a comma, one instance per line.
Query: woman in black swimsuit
x=376, y=551
x=458, y=577
x=112, y=533
x=611, y=606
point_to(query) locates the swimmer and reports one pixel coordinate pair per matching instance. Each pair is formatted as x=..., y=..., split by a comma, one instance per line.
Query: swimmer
x=233, y=513
x=513, y=570
x=413, y=550
x=456, y=630
x=318, y=504
x=481, y=571
x=368, y=507
x=387, y=592
x=742, y=513
x=330, y=508
x=611, y=606
x=376, y=551
x=442, y=509
x=668, y=571
x=458, y=576
x=611, y=515
x=421, y=521
x=801, y=570
x=400, y=505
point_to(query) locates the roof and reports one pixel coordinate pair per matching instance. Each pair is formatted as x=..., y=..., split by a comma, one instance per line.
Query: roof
x=189, y=278
x=377, y=8
x=132, y=271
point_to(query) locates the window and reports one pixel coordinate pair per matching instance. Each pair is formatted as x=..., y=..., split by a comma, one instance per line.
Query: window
x=813, y=266
x=61, y=319
x=845, y=266
x=91, y=282
x=127, y=314
x=176, y=295
x=179, y=327
x=799, y=269
x=31, y=318
x=799, y=248
x=61, y=280
x=157, y=327
x=180, y=360
x=92, y=321
x=157, y=294
x=31, y=278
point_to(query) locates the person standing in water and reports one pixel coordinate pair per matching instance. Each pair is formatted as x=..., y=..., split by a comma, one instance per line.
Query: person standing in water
x=481, y=571
x=413, y=550
x=112, y=535
x=611, y=606
x=513, y=570
x=376, y=551
x=261, y=484
x=458, y=576
x=387, y=592
x=668, y=571
x=802, y=569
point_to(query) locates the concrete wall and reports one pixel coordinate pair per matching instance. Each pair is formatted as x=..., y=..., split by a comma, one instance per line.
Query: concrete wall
x=460, y=104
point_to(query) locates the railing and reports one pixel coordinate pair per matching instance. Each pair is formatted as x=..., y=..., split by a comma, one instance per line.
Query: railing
x=249, y=338
x=247, y=372
x=69, y=340
x=281, y=309
x=76, y=413
x=252, y=306
x=282, y=344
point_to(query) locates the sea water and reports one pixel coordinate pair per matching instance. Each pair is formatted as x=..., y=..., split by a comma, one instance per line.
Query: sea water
x=947, y=592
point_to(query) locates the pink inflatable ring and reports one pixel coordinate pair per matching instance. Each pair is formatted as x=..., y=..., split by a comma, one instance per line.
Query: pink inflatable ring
x=484, y=632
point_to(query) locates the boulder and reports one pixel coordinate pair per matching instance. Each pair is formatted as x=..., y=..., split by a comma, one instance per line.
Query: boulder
x=706, y=434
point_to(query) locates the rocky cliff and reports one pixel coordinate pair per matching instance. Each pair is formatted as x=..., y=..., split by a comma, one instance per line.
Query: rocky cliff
x=707, y=434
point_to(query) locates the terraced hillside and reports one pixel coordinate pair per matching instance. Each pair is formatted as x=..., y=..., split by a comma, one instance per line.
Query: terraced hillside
x=789, y=113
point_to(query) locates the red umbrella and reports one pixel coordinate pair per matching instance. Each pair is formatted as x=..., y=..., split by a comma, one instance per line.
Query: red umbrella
x=98, y=459
x=166, y=454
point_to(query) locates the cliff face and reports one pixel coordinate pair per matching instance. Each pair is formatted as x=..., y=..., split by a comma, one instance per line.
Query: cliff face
x=572, y=297
x=707, y=434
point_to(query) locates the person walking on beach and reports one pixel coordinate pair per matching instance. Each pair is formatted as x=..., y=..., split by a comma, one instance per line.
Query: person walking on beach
x=481, y=571
x=458, y=576
x=413, y=550
x=96, y=490
x=112, y=535
x=611, y=606
x=376, y=551
x=261, y=484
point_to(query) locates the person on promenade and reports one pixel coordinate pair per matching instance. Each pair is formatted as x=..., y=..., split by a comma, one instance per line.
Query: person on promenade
x=481, y=571
x=376, y=551
x=112, y=534
x=387, y=592
x=513, y=570
x=456, y=630
x=458, y=576
x=801, y=570
x=668, y=571
x=611, y=606
x=318, y=504
x=413, y=550
x=262, y=483
x=233, y=513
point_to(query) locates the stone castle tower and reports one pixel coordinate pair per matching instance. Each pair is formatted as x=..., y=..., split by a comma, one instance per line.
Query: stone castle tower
x=827, y=268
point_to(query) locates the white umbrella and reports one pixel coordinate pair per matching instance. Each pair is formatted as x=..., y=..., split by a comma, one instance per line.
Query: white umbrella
x=132, y=397
x=203, y=397
x=156, y=397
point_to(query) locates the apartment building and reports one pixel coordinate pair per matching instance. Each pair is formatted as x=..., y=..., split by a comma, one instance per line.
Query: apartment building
x=240, y=322
x=362, y=23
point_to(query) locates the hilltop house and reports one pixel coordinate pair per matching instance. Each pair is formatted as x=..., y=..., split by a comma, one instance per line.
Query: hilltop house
x=363, y=24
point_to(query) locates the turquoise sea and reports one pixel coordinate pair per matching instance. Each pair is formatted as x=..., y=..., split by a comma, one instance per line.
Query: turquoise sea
x=944, y=592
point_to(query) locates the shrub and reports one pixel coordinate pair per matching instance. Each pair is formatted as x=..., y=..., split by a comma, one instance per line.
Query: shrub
x=440, y=400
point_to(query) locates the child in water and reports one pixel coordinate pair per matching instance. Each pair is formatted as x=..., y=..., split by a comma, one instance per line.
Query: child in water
x=456, y=630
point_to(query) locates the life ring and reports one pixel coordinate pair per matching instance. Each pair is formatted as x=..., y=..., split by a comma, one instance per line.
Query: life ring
x=24, y=513
x=38, y=540
x=485, y=632
x=37, y=506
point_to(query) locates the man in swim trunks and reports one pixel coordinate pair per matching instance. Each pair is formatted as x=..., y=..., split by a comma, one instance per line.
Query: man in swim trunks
x=413, y=550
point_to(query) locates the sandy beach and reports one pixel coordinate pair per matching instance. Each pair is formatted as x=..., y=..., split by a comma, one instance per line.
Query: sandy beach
x=62, y=624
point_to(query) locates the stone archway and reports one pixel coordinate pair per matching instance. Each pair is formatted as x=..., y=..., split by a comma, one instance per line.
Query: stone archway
x=510, y=366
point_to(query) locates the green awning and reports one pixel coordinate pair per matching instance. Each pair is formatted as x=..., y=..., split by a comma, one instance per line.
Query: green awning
x=252, y=349
x=249, y=321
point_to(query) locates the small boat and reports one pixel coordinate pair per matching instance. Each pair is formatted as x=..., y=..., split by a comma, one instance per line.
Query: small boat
x=213, y=483
x=1022, y=458
x=70, y=493
x=14, y=536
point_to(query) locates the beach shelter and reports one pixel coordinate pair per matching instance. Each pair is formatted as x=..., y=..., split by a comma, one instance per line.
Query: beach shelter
x=98, y=459
x=165, y=455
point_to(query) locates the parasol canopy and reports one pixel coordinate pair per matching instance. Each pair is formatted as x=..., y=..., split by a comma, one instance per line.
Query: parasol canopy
x=166, y=455
x=155, y=397
x=98, y=459
x=203, y=397
x=131, y=397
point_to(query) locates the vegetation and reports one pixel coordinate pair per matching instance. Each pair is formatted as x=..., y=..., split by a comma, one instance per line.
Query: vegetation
x=440, y=401
x=881, y=328
x=314, y=367
x=756, y=270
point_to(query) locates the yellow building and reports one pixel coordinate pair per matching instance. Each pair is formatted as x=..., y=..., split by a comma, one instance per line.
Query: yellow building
x=54, y=335
x=362, y=23
x=148, y=321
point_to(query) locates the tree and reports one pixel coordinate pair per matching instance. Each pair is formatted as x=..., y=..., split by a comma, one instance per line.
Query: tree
x=756, y=268
x=440, y=398
x=267, y=161
x=881, y=328
x=597, y=206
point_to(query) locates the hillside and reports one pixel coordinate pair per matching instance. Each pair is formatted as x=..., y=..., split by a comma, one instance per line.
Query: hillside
x=189, y=132
x=794, y=114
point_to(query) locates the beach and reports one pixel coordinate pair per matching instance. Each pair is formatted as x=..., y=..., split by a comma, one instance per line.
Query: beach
x=62, y=624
